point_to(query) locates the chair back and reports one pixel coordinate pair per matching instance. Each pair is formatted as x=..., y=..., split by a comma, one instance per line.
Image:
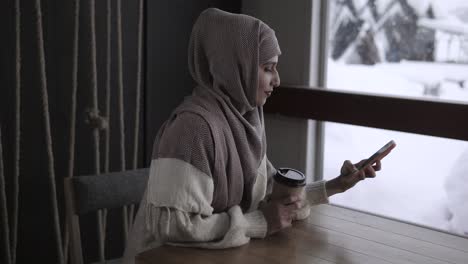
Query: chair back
x=86, y=194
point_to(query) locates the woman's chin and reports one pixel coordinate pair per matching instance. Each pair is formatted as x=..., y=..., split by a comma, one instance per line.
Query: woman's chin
x=260, y=103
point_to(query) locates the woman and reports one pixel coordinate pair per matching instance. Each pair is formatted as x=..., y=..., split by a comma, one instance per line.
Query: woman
x=209, y=174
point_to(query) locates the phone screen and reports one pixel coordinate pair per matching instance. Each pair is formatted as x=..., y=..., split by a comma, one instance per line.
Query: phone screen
x=380, y=154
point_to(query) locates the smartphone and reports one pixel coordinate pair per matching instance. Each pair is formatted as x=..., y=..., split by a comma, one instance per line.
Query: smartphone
x=380, y=154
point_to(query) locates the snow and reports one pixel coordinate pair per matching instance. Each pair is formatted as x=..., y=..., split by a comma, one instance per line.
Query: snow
x=456, y=185
x=420, y=6
x=451, y=25
x=413, y=184
x=450, y=47
x=441, y=8
x=446, y=8
x=402, y=79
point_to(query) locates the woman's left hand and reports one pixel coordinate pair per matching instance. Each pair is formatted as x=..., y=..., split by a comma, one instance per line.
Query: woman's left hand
x=350, y=175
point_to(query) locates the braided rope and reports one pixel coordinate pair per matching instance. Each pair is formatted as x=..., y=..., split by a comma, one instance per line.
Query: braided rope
x=46, y=113
x=138, y=99
x=14, y=228
x=108, y=96
x=71, y=146
x=121, y=107
x=95, y=111
x=120, y=85
x=108, y=83
x=4, y=211
x=138, y=85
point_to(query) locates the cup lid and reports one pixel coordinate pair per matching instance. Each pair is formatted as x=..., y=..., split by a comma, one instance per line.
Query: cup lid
x=290, y=177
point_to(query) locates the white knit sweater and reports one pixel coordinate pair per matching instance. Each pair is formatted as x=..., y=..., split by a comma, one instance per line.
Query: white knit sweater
x=165, y=218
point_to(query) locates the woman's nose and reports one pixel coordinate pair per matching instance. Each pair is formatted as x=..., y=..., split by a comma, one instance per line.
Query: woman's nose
x=276, y=80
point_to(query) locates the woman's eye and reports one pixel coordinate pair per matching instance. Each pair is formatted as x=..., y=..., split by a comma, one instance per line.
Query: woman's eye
x=268, y=70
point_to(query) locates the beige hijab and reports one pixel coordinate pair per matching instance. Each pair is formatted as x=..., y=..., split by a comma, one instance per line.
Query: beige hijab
x=224, y=53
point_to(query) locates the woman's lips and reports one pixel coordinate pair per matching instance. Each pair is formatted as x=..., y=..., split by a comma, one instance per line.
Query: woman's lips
x=268, y=93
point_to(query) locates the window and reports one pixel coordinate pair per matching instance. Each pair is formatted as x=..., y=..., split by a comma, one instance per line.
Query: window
x=368, y=90
x=413, y=49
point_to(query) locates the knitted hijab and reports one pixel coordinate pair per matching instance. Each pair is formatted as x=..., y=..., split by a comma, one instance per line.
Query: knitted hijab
x=225, y=51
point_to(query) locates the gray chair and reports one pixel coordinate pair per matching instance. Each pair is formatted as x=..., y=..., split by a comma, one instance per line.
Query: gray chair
x=86, y=194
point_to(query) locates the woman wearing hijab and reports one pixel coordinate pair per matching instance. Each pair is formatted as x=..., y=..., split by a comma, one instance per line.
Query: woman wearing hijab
x=209, y=174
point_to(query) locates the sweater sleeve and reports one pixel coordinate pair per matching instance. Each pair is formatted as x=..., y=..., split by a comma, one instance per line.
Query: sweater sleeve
x=222, y=230
x=316, y=193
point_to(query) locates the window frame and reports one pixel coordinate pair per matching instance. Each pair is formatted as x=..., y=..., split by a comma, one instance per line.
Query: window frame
x=418, y=116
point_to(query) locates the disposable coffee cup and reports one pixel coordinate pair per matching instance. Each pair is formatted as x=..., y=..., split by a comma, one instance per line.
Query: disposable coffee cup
x=290, y=182
x=287, y=182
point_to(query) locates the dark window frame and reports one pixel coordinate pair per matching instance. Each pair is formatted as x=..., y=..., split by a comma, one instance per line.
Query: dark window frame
x=424, y=117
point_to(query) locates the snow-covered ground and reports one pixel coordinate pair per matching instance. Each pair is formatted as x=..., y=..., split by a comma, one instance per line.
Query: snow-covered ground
x=413, y=182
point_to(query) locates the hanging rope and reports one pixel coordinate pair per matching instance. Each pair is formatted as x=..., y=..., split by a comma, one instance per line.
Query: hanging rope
x=4, y=211
x=121, y=107
x=138, y=99
x=120, y=85
x=71, y=145
x=45, y=106
x=107, y=129
x=94, y=113
x=138, y=85
x=14, y=228
x=108, y=83
x=108, y=92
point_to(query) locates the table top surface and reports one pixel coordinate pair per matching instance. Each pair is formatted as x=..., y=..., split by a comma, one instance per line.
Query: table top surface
x=331, y=234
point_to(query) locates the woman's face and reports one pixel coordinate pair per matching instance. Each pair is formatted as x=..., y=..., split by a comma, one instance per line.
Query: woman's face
x=268, y=79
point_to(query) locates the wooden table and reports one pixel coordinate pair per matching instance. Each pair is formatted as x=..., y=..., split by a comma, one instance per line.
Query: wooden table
x=331, y=235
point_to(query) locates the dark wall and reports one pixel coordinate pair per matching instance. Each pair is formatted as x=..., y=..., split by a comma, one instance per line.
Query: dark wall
x=169, y=24
x=167, y=29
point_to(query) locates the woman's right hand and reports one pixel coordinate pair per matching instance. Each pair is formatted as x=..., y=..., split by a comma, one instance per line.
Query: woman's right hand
x=280, y=213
